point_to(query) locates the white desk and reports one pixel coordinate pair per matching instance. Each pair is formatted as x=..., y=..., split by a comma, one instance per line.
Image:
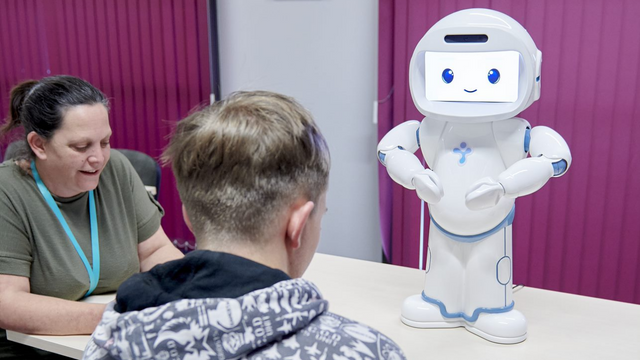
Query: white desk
x=561, y=326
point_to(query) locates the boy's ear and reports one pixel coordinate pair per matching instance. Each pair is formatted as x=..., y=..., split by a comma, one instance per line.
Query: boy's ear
x=297, y=220
x=187, y=221
x=36, y=143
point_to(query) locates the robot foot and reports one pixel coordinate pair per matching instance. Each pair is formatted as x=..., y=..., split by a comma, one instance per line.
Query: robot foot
x=420, y=314
x=504, y=328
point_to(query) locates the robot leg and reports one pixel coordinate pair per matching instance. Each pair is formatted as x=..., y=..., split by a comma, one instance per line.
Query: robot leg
x=489, y=296
x=443, y=286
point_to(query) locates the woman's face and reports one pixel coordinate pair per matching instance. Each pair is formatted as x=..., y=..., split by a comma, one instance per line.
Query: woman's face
x=78, y=151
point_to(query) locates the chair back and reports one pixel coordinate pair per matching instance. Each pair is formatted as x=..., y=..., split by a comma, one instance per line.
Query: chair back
x=147, y=168
x=15, y=149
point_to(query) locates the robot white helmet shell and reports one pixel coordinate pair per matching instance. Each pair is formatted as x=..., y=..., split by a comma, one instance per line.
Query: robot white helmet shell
x=475, y=65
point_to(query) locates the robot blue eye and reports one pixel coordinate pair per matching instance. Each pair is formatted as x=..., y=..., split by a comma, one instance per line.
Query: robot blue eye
x=494, y=76
x=447, y=75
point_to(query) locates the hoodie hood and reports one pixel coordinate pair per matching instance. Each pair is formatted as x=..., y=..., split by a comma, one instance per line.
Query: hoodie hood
x=200, y=274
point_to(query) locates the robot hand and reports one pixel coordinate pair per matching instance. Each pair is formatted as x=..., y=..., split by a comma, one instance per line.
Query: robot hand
x=428, y=186
x=484, y=194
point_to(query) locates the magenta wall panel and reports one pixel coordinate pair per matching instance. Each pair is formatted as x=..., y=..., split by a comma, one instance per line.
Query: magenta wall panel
x=581, y=232
x=149, y=56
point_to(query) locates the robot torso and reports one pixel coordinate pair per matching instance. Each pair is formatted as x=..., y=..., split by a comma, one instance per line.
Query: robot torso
x=463, y=153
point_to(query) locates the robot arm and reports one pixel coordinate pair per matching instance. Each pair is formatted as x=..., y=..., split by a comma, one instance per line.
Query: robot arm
x=550, y=157
x=395, y=152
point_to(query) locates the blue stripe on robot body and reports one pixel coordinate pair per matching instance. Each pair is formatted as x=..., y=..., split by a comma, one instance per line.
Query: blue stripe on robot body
x=473, y=317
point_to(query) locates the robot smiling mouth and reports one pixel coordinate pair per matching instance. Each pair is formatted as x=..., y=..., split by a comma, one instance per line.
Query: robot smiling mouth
x=471, y=91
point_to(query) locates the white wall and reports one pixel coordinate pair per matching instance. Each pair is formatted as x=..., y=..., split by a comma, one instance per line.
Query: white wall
x=323, y=53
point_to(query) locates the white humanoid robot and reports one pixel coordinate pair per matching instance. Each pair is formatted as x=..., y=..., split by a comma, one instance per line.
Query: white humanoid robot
x=471, y=73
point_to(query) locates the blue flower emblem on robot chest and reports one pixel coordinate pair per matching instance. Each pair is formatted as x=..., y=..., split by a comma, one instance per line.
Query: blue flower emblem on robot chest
x=463, y=151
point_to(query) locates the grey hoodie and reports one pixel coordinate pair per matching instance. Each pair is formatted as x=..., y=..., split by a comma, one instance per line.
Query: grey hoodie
x=287, y=321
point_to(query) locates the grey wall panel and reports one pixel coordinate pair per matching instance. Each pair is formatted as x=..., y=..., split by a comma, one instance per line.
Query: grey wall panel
x=323, y=53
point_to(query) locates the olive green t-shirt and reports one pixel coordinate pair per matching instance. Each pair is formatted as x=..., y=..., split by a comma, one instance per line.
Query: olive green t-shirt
x=34, y=244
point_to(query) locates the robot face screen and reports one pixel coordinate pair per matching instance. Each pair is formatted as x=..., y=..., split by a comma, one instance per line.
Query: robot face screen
x=472, y=77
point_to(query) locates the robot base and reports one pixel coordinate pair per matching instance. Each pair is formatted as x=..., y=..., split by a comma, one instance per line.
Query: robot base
x=503, y=328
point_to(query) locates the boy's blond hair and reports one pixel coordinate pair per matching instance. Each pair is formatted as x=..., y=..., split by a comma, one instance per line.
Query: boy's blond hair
x=241, y=161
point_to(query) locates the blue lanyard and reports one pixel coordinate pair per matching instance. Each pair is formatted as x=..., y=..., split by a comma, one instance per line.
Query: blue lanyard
x=94, y=273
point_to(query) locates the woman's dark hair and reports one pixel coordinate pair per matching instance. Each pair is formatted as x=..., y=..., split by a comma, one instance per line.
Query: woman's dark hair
x=40, y=105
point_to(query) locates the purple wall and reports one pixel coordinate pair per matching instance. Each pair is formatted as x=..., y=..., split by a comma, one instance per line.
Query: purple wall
x=149, y=57
x=581, y=232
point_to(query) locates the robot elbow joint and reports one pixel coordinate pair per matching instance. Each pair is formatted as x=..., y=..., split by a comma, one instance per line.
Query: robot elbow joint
x=381, y=157
x=559, y=168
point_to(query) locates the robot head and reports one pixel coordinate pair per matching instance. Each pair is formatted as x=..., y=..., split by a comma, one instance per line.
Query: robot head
x=475, y=65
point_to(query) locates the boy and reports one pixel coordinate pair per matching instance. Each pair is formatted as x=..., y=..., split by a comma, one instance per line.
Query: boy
x=252, y=172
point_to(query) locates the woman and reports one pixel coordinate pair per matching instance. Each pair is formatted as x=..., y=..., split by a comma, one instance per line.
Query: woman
x=75, y=218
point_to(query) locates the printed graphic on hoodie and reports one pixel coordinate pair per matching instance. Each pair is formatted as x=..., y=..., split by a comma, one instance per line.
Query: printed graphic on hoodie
x=287, y=321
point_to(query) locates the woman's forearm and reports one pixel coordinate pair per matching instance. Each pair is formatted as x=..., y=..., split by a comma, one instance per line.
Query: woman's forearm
x=44, y=315
x=161, y=255
x=156, y=250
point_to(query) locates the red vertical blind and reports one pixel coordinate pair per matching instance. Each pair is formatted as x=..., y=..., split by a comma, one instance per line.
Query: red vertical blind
x=581, y=232
x=150, y=57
